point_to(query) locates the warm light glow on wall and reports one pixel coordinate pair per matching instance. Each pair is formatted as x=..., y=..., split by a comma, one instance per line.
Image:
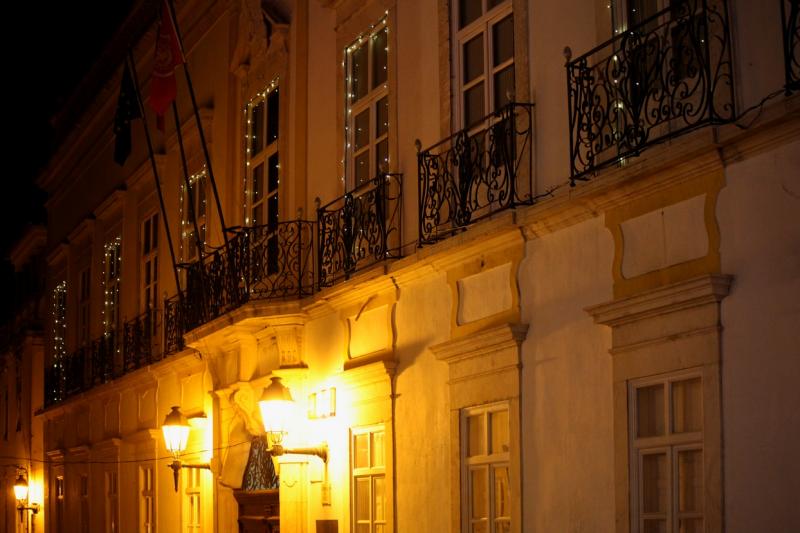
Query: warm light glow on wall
x=322, y=404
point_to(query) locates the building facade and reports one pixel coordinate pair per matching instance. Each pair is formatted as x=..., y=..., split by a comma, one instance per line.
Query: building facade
x=523, y=265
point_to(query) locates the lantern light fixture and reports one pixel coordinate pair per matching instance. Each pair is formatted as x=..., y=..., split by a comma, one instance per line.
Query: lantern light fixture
x=21, y=493
x=176, y=429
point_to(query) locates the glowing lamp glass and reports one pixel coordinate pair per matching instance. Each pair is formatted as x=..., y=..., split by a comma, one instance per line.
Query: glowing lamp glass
x=276, y=405
x=176, y=431
x=21, y=488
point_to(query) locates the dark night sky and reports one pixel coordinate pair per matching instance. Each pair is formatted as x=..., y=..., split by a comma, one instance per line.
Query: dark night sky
x=53, y=46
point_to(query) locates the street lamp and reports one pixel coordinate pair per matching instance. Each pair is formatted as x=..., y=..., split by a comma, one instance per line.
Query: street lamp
x=276, y=405
x=21, y=493
x=176, y=436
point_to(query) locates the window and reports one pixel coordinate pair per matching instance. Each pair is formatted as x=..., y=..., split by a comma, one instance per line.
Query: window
x=485, y=483
x=146, y=500
x=4, y=413
x=192, y=202
x=367, y=121
x=60, y=322
x=84, y=294
x=149, y=275
x=112, y=277
x=112, y=502
x=59, y=490
x=484, y=57
x=261, y=157
x=192, y=513
x=368, y=464
x=666, y=463
x=84, y=488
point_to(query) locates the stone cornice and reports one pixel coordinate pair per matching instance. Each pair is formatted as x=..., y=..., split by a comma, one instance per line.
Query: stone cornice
x=685, y=294
x=480, y=343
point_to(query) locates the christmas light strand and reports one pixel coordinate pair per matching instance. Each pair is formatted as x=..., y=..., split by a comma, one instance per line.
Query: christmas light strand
x=112, y=276
x=187, y=228
x=248, y=135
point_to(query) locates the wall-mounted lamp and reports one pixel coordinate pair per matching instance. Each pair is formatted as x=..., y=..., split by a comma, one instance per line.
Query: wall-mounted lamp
x=176, y=436
x=276, y=405
x=21, y=493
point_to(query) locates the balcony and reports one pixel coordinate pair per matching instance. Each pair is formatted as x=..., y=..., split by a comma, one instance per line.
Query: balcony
x=475, y=173
x=790, y=13
x=359, y=229
x=663, y=78
x=106, y=358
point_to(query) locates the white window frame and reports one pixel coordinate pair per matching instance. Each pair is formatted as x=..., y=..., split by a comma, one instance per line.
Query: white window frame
x=489, y=461
x=84, y=306
x=147, y=499
x=112, y=285
x=481, y=25
x=669, y=444
x=59, y=488
x=85, y=512
x=198, y=183
x=193, y=489
x=112, y=501
x=368, y=102
x=254, y=160
x=371, y=472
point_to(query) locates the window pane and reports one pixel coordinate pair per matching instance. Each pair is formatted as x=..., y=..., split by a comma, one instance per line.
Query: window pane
x=468, y=10
x=380, y=499
x=650, y=411
x=502, y=526
x=655, y=526
x=272, y=212
x=362, y=498
x=272, y=116
x=382, y=156
x=382, y=116
x=377, y=449
x=362, y=528
x=473, y=58
x=495, y=3
x=361, y=450
x=473, y=104
x=358, y=73
x=503, y=40
x=380, y=58
x=476, y=429
x=256, y=129
x=503, y=87
x=502, y=494
x=362, y=168
x=691, y=525
x=479, y=496
x=480, y=527
x=361, y=133
x=256, y=189
x=687, y=405
x=272, y=171
x=654, y=483
x=690, y=480
x=499, y=425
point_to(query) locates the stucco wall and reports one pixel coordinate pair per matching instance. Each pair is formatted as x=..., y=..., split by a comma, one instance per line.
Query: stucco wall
x=760, y=246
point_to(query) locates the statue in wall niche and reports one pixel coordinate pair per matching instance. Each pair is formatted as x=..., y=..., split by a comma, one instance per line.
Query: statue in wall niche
x=263, y=32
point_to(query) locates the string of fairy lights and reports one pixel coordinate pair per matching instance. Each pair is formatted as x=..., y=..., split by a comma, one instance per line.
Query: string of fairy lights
x=59, y=324
x=370, y=33
x=187, y=227
x=112, y=276
x=259, y=98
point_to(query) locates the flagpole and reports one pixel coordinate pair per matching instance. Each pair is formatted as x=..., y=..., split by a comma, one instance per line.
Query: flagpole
x=132, y=65
x=192, y=212
x=190, y=86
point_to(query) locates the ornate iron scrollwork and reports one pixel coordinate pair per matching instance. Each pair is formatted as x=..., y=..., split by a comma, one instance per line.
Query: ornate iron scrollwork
x=359, y=229
x=476, y=172
x=790, y=16
x=662, y=78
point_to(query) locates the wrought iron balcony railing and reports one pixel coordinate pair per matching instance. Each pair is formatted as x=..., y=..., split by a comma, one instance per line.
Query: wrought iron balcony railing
x=142, y=345
x=790, y=15
x=476, y=172
x=359, y=229
x=669, y=75
x=261, y=263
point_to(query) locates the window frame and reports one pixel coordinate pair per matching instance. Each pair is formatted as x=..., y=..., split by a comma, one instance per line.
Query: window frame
x=372, y=473
x=367, y=103
x=112, y=501
x=147, y=499
x=192, y=499
x=487, y=460
x=197, y=182
x=490, y=16
x=84, y=306
x=269, y=199
x=112, y=282
x=670, y=444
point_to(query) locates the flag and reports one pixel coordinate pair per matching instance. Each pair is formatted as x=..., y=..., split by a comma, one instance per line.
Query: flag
x=127, y=110
x=168, y=56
